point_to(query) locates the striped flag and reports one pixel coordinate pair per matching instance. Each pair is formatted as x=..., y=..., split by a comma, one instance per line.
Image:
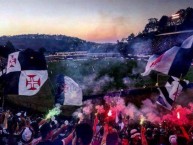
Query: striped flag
x=174, y=62
x=170, y=91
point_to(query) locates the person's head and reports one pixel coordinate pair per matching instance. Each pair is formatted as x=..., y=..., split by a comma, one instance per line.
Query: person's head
x=54, y=124
x=83, y=134
x=22, y=122
x=126, y=121
x=148, y=133
x=45, y=131
x=135, y=135
x=26, y=135
x=35, y=127
x=173, y=139
x=12, y=125
x=112, y=138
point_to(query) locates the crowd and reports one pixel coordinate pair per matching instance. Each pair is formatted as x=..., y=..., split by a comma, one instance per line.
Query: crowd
x=22, y=129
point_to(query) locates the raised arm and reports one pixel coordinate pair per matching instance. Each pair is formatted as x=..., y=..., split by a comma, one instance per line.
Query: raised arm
x=143, y=138
x=68, y=139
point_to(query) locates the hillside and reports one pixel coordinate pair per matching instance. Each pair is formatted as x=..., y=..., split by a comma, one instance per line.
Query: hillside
x=55, y=43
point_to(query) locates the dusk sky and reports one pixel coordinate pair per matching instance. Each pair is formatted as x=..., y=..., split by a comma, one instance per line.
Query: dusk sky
x=92, y=20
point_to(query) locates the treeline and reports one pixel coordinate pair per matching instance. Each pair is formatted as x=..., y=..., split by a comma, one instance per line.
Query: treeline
x=55, y=43
x=152, y=40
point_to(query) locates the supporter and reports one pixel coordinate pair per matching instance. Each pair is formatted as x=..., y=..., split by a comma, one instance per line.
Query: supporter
x=24, y=130
x=11, y=128
x=135, y=137
x=112, y=138
x=35, y=128
x=125, y=131
x=106, y=130
x=97, y=138
x=173, y=140
x=46, y=134
x=143, y=138
x=26, y=136
x=163, y=138
x=124, y=140
x=119, y=121
x=98, y=131
x=82, y=135
x=149, y=136
x=25, y=133
x=155, y=136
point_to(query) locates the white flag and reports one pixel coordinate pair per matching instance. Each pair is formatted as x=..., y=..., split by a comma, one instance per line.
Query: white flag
x=72, y=92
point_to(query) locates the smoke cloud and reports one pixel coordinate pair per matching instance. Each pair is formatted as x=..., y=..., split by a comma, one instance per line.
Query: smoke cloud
x=110, y=28
x=149, y=110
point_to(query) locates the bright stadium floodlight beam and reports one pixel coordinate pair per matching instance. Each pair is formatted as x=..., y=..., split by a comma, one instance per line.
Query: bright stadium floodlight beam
x=175, y=16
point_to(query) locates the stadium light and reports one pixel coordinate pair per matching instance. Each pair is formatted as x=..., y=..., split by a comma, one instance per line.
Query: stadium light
x=175, y=16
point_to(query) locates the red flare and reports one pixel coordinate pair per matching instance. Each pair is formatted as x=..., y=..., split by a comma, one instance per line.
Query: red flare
x=109, y=113
x=178, y=115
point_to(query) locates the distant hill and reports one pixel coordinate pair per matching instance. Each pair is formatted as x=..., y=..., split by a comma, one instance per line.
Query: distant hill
x=55, y=43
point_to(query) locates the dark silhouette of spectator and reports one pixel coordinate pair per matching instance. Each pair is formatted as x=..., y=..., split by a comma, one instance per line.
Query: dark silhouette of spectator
x=46, y=135
x=112, y=138
x=82, y=135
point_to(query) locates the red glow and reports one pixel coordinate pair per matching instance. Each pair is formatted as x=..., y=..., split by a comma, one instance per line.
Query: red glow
x=109, y=113
x=178, y=115
x=142, y=119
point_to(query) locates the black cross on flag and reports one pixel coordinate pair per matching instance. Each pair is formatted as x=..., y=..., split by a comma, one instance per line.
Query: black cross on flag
x=26, y=72
x=170, y=91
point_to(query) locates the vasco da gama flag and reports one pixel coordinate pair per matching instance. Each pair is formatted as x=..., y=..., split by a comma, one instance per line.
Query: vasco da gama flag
x=174, y=62
x=68, y=91
x=170, y=92
x=26, y=72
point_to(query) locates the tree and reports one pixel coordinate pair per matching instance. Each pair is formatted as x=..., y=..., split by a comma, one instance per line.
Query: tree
x=130, y=37
x=42, y=50
x=122, y=48
x=162, y=24
x=188, y=20
x=151, y=26
x=7, y=49
x=182, y=14
x=10, y=46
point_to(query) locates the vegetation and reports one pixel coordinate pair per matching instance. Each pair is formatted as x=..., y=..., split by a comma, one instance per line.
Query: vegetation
x=150, y=41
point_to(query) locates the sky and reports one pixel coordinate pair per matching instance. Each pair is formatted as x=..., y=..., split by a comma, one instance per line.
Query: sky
x=91, y=20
